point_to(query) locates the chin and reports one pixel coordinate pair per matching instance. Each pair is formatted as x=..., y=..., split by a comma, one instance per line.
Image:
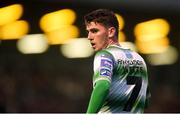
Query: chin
x=97, y=49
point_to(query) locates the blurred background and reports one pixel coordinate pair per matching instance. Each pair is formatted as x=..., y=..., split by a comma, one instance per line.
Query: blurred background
x=46, y=61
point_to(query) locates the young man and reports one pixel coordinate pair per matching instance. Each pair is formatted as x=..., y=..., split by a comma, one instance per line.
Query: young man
x=120, y=78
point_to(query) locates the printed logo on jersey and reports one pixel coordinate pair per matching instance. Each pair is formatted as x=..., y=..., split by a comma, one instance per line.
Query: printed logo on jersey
x=105, y=72
x=106, y=67
x=106, y=63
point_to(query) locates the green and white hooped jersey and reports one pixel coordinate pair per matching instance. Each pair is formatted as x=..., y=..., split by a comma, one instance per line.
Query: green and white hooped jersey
x=127, y=73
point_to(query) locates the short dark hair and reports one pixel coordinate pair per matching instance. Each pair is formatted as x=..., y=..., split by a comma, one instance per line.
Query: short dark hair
x=103, y=16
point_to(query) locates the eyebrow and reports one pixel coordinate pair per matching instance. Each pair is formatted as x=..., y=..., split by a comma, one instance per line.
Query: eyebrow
x=93, y=30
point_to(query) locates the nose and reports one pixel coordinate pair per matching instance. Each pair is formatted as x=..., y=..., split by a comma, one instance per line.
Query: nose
x=89, y=36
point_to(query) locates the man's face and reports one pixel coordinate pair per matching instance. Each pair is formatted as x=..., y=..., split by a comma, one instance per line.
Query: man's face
x=98, y=35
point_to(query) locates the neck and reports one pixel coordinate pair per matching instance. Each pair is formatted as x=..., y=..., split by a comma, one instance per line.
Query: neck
x=113, y=41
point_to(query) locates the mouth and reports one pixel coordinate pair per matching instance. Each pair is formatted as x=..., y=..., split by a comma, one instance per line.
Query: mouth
x=93, y=45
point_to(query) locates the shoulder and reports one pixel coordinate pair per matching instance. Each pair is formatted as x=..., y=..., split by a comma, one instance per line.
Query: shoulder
x=104, y=54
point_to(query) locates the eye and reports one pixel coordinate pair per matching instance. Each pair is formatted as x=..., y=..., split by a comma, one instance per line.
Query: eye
x=94, y=30
x=87, y=31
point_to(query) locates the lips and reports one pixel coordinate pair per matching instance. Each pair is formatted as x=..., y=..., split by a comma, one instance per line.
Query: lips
x=93, y=45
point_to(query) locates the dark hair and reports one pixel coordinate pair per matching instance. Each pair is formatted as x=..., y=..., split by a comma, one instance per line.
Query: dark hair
x=103, y=16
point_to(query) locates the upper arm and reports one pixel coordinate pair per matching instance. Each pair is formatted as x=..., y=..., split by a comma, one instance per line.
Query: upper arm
x=103, y=66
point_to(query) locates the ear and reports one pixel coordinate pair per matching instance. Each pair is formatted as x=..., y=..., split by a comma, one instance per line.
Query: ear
x=111, y=32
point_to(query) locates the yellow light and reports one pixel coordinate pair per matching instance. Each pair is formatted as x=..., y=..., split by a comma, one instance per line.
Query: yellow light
x=121, y=37
x=77, y=48
x=57, y=19
x=10, y=13
x=31, y=44
x=62, y=35
x=14, y=30
x=120, y=20
x=153, y=29
x=153, y=46
x=149, y=37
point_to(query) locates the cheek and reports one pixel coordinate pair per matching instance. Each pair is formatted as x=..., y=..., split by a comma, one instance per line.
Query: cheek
x=100, y=39
x=103, y=38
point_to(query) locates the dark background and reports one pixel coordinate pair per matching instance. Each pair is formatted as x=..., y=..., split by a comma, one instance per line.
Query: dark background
x=49, y=82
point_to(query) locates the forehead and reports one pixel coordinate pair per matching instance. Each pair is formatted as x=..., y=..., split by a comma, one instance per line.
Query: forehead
x=96, y=25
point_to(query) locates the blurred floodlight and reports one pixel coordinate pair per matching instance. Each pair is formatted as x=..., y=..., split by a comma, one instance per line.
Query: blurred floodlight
x=151, y=36
x=128, y=45
x=153, y=29
x=121, y=37
x=170, y=56
x=14, y=30
x=10, y=13
x=31, y=44
x=120, y=20
x=153, y=46
x=58, y=19
x=77, y=48
x=62, y=35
